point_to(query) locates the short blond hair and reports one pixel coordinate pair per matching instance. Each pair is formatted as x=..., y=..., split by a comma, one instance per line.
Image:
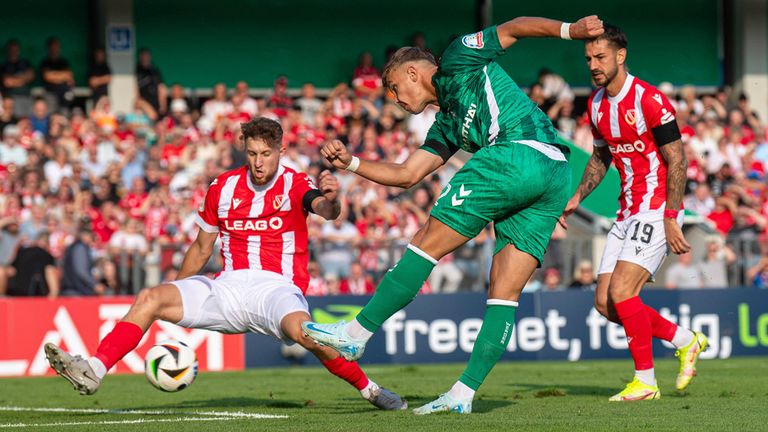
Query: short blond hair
x=405, y=55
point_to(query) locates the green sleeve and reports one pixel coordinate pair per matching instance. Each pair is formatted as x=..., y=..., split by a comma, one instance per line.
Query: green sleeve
x=471, y=52
x=437, y=141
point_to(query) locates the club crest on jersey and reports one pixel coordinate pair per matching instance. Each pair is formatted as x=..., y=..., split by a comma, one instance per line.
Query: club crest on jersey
x=474, y=41
x=278, y=201
x=629, y=117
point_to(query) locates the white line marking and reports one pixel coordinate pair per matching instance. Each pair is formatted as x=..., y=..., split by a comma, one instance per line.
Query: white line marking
x=229, y=414
x=115, y=422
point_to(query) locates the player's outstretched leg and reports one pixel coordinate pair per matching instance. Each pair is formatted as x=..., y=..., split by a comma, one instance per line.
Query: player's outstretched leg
x=511, y=269
x=349, y=371
x=162, y=302
x=396, y=290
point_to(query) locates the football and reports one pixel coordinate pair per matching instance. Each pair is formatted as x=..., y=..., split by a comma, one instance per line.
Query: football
x=171, y=366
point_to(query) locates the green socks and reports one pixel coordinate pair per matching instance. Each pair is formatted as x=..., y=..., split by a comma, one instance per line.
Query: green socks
x=397, y=289
x=491, y=341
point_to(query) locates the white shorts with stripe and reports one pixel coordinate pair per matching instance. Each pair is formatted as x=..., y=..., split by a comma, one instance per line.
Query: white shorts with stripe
x=240, y=301
x=639, y=239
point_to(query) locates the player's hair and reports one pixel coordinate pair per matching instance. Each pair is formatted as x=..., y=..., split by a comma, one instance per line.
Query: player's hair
x=264, y=129
x=614, y=35
x=405, y=55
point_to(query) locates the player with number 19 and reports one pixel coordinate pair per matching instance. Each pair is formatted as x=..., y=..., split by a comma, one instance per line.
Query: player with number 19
x=634, y=126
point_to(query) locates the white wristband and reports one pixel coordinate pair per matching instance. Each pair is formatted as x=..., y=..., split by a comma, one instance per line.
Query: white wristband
x=353, y=164
x=565, y=31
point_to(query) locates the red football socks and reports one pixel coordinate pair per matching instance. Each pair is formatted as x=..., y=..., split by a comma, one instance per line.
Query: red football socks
x=348, y=371
x=662, y=328
x=119, y=342
x=637, y=325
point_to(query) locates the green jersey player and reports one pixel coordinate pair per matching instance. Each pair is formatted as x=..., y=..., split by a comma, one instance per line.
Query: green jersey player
x=518, y=178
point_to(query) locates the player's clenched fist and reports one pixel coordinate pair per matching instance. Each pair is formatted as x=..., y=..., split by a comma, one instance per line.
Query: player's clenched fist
x=336, y=153
x=329, y=186
x=587, y=28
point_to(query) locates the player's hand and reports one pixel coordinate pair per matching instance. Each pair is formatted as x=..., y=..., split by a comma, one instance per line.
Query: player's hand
x=571, y=207
x=675, y=238
x=587, y=28
x=337, y=154
x=329, y=186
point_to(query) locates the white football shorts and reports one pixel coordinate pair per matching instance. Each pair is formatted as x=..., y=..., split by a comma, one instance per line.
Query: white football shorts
x=639, y=239
x=240, y=301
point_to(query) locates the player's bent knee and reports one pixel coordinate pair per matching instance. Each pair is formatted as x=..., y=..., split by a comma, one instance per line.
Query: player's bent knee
x=602, y=306
x=160, y=302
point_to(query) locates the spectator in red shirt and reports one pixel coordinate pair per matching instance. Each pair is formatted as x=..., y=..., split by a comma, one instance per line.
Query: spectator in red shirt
x=280, y=103
x=133, y=201
x=366, y=79
x=357, y=283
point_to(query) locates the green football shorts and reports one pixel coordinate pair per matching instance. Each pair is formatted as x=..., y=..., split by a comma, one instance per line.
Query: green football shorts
x=522, y=187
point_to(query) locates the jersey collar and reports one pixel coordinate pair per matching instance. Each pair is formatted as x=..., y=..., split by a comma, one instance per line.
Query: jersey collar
x=624, y=90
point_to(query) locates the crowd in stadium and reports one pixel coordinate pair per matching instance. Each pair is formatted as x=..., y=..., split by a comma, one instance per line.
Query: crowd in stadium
x=97, y=202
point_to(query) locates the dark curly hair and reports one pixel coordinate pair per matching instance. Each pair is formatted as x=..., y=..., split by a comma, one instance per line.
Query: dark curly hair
x=264, y=129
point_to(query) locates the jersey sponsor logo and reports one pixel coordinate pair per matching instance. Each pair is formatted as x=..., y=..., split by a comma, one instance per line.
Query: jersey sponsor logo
x=468, y=119
x=599, y=116
x=666, y=116
x=278, y=201
x=474, y=41
x=638, y=146
x=274, y=223
x=629, y=117
x=657, y=98
x=236, y=202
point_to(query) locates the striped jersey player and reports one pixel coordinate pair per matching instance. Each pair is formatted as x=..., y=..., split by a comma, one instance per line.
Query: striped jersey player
x=634, y=126
x=261, y=227
x=260, y=212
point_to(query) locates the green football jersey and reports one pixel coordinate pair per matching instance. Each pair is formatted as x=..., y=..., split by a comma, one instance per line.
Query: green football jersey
x=479, y=103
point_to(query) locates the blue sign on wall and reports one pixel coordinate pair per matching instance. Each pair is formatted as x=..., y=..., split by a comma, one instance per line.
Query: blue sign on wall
x=550, y=326
x=120, y=38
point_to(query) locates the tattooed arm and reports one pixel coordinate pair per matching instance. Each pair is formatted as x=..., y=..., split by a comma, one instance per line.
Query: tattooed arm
x=593, y=174
x=677, y=165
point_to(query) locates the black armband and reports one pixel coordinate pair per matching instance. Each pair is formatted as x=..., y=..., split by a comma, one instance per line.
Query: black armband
x=440, y=149
x=666, y=133
x=310, y=196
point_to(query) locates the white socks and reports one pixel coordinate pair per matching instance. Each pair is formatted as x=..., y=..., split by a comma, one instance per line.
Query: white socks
x=358, y=332
x=682, y=338
x=98, y=367
x=367, y=392
x=647, y=377
x=461, y=391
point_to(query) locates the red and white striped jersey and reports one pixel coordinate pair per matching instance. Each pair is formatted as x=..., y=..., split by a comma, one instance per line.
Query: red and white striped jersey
x=624, y=123
x=261, y=227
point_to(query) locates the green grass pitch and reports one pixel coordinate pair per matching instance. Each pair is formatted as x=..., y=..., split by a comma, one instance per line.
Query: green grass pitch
x=518, y=396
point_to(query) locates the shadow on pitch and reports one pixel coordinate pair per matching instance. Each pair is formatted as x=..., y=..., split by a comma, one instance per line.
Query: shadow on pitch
x=478, y=406
x=544, y=390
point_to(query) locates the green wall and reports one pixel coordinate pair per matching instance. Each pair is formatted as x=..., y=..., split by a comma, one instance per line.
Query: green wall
x=33, y=21
x=198, y=42
x=673, y=41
